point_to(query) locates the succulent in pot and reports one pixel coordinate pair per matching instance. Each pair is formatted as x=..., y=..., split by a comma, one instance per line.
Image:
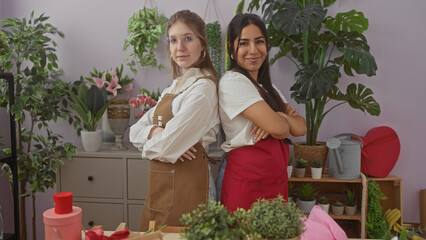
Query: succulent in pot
x=324, y=203
x=316, y=169
x=337, y=208
x=350, y=204
x=300, y=169
x=306, y=194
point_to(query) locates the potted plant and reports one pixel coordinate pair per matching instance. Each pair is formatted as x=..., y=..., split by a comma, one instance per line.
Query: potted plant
x=300, y=169
x=90, y=104
x=39, y=100
x=350, y=204
x=306, y=194
x=213, y=221
x=376, y=224
x=290, y=166
x=324, y=203
x=115, y=82
x=316, y=169
x=145, y=29
x=337, y=208
x=320, y=46
x=274, y=219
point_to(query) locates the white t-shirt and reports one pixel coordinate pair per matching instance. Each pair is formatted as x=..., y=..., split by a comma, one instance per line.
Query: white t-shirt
x=236, y=94
x=195, y=120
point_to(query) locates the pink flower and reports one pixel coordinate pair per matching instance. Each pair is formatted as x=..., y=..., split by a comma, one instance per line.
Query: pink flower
x=113, y=73
x=152, y=102
x=133, y=103
x=142, y=99
x=99, y=82
x=140, y=113
x=113, y=86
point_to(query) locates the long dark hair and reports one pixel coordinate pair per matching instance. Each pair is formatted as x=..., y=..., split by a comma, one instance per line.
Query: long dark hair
x=196, y=24
x=235, y=28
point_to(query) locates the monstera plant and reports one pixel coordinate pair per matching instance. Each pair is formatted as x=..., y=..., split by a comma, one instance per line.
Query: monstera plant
x=323, y=48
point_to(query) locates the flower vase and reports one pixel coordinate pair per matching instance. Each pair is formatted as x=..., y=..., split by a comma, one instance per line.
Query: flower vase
x=108, y=137
x=118, y=117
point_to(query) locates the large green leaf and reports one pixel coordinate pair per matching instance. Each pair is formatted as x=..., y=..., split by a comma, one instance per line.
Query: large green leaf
x=314, y=82
x=348, y=21
x=360, y=60
x=294, y=20
x=96, y=99
x=360, y=97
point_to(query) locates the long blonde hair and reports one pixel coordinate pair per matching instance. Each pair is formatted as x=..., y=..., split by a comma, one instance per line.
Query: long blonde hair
x=197, y=25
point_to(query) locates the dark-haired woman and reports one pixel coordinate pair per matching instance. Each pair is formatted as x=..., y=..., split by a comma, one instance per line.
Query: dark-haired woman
x=174, y=134
x=255, y=118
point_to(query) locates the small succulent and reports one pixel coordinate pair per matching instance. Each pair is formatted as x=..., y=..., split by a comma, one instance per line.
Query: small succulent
x=307, y=192
x=323, y=200
x=316, y=163
x=338, y=204
x=301, y=163
x=350, y=198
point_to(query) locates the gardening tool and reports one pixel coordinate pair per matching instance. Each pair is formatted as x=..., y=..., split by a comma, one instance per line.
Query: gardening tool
x=344, y=157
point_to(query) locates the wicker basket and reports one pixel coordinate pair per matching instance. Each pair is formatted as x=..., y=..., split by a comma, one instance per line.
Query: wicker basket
x=309, y=153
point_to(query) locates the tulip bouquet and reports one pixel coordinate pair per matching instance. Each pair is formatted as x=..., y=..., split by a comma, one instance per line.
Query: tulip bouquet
x=144, y=101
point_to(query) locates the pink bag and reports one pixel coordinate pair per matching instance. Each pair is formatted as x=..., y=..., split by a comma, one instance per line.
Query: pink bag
x=321, y=226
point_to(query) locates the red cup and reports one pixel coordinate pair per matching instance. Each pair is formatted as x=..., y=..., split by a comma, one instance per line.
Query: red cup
x=63, y=202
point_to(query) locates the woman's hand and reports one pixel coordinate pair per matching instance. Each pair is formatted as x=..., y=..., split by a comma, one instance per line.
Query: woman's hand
x=189, y=154
x=259, y=133
x=291, y=111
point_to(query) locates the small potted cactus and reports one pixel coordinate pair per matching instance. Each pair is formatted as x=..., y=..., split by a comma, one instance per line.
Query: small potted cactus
x=300, y=169
x=306, y=194
x=324, y=203
x=316, y=169
x=337, y=208
x=350, y=204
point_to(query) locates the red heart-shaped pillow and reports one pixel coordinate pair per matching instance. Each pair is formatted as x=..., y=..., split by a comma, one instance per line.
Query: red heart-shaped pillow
x=380, y=151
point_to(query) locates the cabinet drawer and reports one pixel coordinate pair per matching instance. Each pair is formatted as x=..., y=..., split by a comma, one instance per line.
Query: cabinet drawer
x=93, y=177
x=109, y=215
x=137, y=182
x=135, y=214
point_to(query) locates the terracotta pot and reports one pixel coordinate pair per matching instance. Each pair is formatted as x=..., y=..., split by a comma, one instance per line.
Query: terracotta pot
x=309, y=153
x=299, y=172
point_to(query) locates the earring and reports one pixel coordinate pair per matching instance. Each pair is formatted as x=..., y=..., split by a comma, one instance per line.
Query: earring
x=232, y=56
x=204, y=53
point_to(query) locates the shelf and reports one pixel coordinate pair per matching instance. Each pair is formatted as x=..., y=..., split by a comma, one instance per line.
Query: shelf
x=324, y=178
x=357, y=216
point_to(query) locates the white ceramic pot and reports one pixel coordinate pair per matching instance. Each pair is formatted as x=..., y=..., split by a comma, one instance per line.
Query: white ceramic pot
x=338, y=211
x=325, y=207
x=350, y=210
x=306, y=206
x=91, y=141
x=316, y=173
x=289, y=171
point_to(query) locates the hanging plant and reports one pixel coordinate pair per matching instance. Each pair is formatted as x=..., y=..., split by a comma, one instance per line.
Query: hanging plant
x=145, y=29
x=215, y=45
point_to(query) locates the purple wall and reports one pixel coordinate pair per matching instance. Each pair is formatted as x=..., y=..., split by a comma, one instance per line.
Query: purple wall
x=95, y=31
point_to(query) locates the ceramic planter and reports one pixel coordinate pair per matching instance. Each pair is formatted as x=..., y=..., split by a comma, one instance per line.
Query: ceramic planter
x=309, y=153
x=91, y=140
x=316, y=173
x=289, y=171
x=306, y=206
x=325, y=207
x=337, y=210
x=350, y=210
x=299, y=172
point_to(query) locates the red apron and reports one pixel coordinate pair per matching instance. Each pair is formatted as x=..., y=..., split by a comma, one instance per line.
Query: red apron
x=256, y=171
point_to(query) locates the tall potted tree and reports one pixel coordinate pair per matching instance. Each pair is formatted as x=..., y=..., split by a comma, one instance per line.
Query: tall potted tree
x=39, y=100
x=320, y=46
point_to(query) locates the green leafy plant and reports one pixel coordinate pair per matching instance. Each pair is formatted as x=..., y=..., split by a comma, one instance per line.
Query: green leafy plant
x=350, y=198
x=376, y=224
x=215, y=45
x=323, y=200
x=338, y=204
x=145, y=29
x=213, y=221
x=90, y=104
x=4, y=52
x=307, y=192
x=39, y=100
x=316, y=163
x=320, y=46
x=301, y=163
x=274, y=219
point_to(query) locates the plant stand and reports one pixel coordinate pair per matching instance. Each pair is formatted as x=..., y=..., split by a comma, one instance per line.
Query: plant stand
x=12, y=159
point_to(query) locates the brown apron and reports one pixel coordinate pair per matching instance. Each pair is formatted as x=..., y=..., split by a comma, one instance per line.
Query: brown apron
x=174, y=189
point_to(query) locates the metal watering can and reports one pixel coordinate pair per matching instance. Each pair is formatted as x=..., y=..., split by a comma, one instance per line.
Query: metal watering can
x=344, y=156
